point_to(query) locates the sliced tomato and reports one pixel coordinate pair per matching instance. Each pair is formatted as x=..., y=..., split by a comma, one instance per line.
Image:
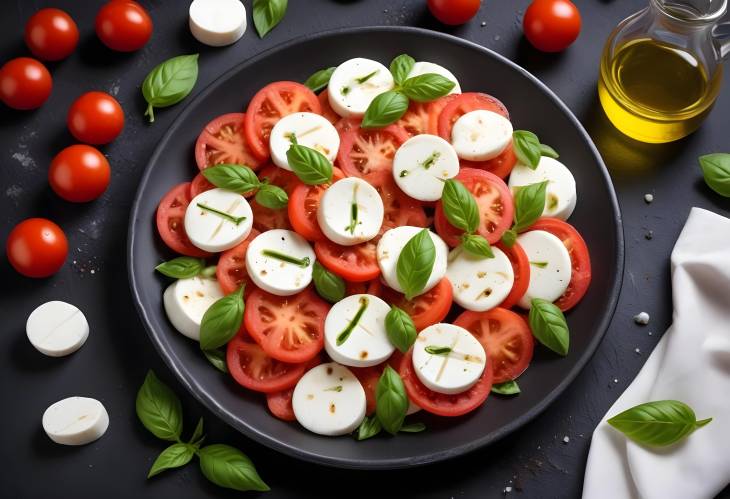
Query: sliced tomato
x=434, y=111
x=303, y=204
x=252, y=368
x=280, y=404
x=429, y=308
x=501, y=166
x=170, y=225
x=327, y=111
x=374, y=287
x=466, y=103
x=356, y=263
x=231, y=269
x=417, y=118
x=521, y=269
x=368, y=377
x=399, y=208
x=265, y=218
x=222, y=141
x=199, y=184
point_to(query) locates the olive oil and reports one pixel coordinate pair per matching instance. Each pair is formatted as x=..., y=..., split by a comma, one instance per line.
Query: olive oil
x=655, y=92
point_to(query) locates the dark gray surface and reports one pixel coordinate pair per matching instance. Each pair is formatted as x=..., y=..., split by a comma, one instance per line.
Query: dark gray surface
x=112, y=363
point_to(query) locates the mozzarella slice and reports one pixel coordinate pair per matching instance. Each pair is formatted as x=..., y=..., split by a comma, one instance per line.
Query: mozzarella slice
x=560, y=195
x=311, y=130
x=481, y=135
x=217, y=22
x=57, y=328
x=448, y=359
x=480, y=284
x=390, y=247
x=218, y=219
x=75, y=421
x=550, y=267
x=422, y=67
x=354, y=85
x=329, y=400
x=280, y=261
x=186, y=300
x=421, y=165
x=350, y=212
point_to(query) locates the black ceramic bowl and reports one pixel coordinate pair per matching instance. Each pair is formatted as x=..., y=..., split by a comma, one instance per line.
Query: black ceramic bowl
x=532, y=106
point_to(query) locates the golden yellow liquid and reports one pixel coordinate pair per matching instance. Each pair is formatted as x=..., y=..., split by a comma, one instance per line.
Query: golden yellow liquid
x=654, y=92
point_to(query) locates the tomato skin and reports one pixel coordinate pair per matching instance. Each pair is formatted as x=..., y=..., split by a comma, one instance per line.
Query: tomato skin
x=551, y=25
x=521, y=267
x=501, y=166
x=25, y=83
x=460, y=104
x=37, y=247
x=51, y=34
x=327, y=111
x=223, y=141
x=399, y=209
x=79, y=173
x=280, y=404
x=124, y=26
x=454, y=12
x=170, y=221
x=231, y=268
x=303, y=205
x=427, y=309
x=95, y=118
x=356, y=263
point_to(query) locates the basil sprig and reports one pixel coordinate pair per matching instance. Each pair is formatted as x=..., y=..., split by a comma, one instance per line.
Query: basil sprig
x=507, y=388
x=529, y=205
x=330, y=286
x=415, y=263
x=400, y=329
x=716, y=170
x=159, y=409
x=528, y=148
x=222, y=321
x=369, y=427
x=175, y=456
x=400, y=68
x=319, y=79
x=385, y=109
x=311, y=166
x=169, y=82
x=243, y=180
x=217, y=358
x=549, y=327
x=267, y=14
x=427, y=87
x=659, y=423
x=230, y=468
x=476, y=245
x=462, y=212
x=391, y=401
x=181, y=267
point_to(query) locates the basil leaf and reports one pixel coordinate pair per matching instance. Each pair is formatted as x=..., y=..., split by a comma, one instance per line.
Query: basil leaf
x=427, y=87
x=716, y=170
x=459, y=206
x=659, y=423
x=267, y=14
x=527, y=148
x=369, y=427
x=385, y=109
x=159, y=409
x=415, y=263
x=400, y=67
x=217, y=358
x=476, y=245
x=272, y=197
x=412, y=428
x=169, y=82
x=529, y=205
x=311, y=166
x=236, y=178
x=198, y=433
x=320, y=79
x=228, y=467
x=175, y=456
x=400, y=329
x=546, y=150
x=506, y=388
x=222, y=321
x=509, y=238
x=391, y=401
x=330, y=286
x=181, y=267
x=548, y=326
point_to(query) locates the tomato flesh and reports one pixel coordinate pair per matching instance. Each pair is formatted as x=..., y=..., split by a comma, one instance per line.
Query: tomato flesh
x=399, y=208
x=427, y=309
x=464, y=103
x=223, y=141
x=356, y=263
x=170, y=221
x=252, y=368
x=521, y=268
x=327, y=111
x=231, y=270
x=265, y=218
x=303, y=205
x=280, y=404
x=417, y=119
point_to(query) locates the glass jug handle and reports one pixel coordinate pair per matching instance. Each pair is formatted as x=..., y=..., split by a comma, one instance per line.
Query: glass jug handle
x=721, y=35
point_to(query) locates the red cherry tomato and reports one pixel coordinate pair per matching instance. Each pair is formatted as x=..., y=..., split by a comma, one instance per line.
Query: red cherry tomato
x=551, y=25
x=24, y=83
x=95, y=118
x=51, y=34
x=453, y=12
x=79, y=173
x=37, y=247
x=124, y=26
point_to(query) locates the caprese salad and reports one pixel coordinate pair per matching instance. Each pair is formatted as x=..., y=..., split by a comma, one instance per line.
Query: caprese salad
x=386, y=246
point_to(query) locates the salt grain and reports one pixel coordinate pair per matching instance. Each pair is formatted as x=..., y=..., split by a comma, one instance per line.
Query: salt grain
x=642, y=318
x=648, y=198
x=566, y=439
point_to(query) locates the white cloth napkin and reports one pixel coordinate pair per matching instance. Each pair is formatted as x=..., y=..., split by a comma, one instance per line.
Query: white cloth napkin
x=691, y=363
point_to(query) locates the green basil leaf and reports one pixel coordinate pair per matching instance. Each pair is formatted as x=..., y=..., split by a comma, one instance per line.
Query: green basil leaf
x=400, y=329
x=267, y=14
x=400, y=67
x=413, y=428
x=217, y=358
x=546, y=150
x=385, y=109
x=181, y=267
x=222, y=321
x=507, y=388
x=175, y=456
x=459, y=206
x=236, y=178
x=509, y=238
x=548, y=325
x=659, y=423
x=272, y=197
x=159, y=409
x=529, y=205
x=415, y=263
x=427, y=87
x=320, y=79
x=228, y=467
x=311, y=166
x=476, y=245
x=198, y=433
x=169, y=82
x=716, y=170
x=330, y=286
x=527, y=148
x=391, y=401
x=369, y=427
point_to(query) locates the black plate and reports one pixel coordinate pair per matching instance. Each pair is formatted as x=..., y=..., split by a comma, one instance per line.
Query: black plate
x=532, y=106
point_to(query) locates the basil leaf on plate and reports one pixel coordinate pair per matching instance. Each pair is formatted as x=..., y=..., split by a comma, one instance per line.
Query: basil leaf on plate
x=459, y=206
x=385, y=109
x=217, y=358
x=400, y=67
x=659, y=423
x=311, y=166
x=427, y=87
x=476, y=245
x=527, y=148
x=716, y=170
x=546, y=150
x=228, y=467
x=509, y=238
x=369, y=427
x=159, y=409
x=549, y=327
x=320, y=79
x=412, y=428
x=400, y=329
x=391, y=401
x=236, y=178
x=169, y=82
x=507, y=388
x=222, y=321
x=267, y=14
x=181, y=267
x=329, y=286
x=272, y=197
x=529, y=205
x=415, y=263
x=175, y=456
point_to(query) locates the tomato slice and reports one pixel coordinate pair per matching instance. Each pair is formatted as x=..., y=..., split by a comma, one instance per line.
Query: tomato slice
x=222, y=141
x=426, y=309
x=416, y=120
x=368, y=377
x=580, y=259
x=461, y=104
x=170, y=225
x=521, y=268
x=199, y=184
x=501, y=166
x=252, y=368
x=280, y=404
x=434, y=111
x=327, y=111
x=265, y=218
x=506, y=338
x=269, y=105
x=374, y=287
x=356, y=263
x=288, y=328
x=303, y=204
x=231, y=269
x=399, y=208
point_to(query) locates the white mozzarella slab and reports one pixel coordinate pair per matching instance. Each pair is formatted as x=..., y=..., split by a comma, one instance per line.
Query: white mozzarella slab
x=271, y=273
x=550, y=267
x=57, y=328
x=422, y=67
x=481, y=135
x=452, y=372
x=217, y=22
x=352, y=89
x=336, y=211
x=329, y=400
x=186, y=300
x=75, y=421
x=311, y=130
x=421, y=165
x=560, y=195
x=480, y=284
x=214, y=232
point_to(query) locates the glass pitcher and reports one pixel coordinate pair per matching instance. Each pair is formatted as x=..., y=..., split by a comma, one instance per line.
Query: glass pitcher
x=661, y=68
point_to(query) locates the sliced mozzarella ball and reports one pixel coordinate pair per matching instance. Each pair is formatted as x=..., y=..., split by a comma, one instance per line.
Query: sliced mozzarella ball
x=354, y=85
x=280, y=261
x=350, y=212
x=422, y=67
x=550, y=267
x=480, y=284
x=186, y=300
x=311, y=130
x=448, y=359
x=390, y=247
x=57, y=328
x=329, y=400
x=481, y=135
x=560, y=195
x=218, y=219
x=421, y=165
x=75, y=421
x=217, y=22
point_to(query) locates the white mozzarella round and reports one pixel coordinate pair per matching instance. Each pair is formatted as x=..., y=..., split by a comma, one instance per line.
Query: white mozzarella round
x=57, y=328
x=186, y=300
x=217, y=22
x=448, y=359
x=350, y=212
x=218, y=219
x=354, y=85
x=422, y=67
x=311, y=130
x=329, y=400
x=550, y=267
x=481, y=135
x=560, y=195
x=75, y=421
x=268, y=266
x=361, y=336
x=390, y=247
x=480, y=284
x=421, y=165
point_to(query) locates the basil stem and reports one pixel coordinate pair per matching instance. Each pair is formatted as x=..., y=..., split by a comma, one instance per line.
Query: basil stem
x=438, y=350
x=342, y=337
x=222, y=214
x=353, y=211
x=302, y=262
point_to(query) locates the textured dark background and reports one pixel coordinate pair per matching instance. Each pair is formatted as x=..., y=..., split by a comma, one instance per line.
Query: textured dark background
x=535, y=462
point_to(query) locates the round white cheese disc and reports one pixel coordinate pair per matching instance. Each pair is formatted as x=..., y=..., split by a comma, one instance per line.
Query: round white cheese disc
x=481, y=135
x=218, y=219
x=422, y=67
x=186, y=301
x=217, y=22
x=350, y=212
x=311, y=130
x=75, y=421
x=550, y=266
x=560, y=194
x=57, y=328
x=354, y=85
x=421, y=165
x=480, y=284
x=280, y=262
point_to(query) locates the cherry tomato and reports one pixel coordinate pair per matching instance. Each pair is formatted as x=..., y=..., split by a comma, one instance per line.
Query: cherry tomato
x=521, y=268
x=231, y=269
x=551, y=25
x=95, y=118
x=124, y=26
x=51, y=34
x=327, y=111
x=37, y=247
x=79, y=173
x=222, y=141
x=24, y=83
x=265, y=218
x=429, y=308
x=356, y=263
x=170, y=225
x=454, y=12
x=303, y=204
